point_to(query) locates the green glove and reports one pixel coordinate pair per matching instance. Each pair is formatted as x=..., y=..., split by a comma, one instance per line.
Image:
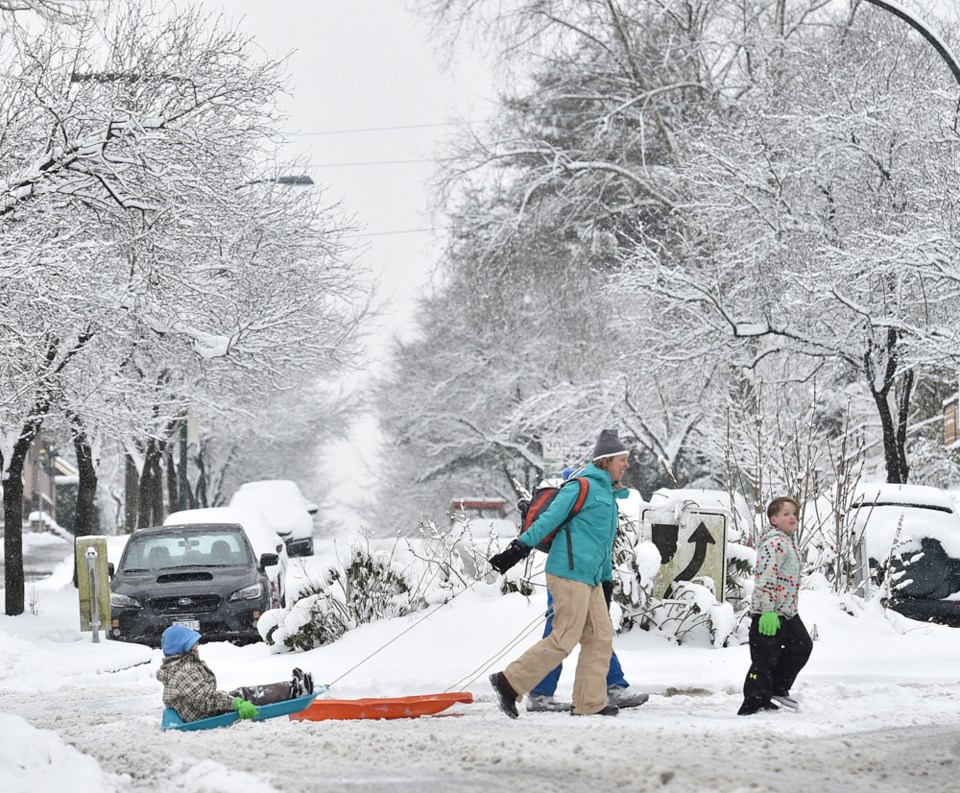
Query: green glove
x=247, y=710
x=769, y=623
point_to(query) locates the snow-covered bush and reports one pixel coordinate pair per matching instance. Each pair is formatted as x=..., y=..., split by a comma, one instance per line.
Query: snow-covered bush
x=413, y=574
x=369, y=587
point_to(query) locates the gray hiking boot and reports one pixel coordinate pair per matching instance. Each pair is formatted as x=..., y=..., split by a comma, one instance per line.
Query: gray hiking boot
x=543, y=703
x=786, y=700
x=623, y=697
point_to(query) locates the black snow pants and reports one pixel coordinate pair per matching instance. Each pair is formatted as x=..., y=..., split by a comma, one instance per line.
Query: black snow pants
x=265, y=694
x=775, y=661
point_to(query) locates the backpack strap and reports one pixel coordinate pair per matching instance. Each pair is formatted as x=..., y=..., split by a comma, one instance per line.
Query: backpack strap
x=577, y=506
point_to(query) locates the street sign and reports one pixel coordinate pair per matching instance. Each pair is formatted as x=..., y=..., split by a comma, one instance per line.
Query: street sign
x=694, y=547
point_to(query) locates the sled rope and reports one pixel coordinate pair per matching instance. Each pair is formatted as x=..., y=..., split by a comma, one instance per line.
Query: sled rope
x=475, y=674
x=407, y=630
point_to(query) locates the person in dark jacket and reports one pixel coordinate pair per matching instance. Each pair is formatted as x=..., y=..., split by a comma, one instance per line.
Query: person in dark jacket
x=579, y=607
x=190, y=687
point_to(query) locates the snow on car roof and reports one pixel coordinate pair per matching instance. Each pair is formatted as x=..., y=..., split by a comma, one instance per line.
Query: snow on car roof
x=262, y=536
x=926, y=511
x=280, y=500
x=919, y=495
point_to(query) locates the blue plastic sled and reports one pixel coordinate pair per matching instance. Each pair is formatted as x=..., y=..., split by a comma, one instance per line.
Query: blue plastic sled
x=171, y=721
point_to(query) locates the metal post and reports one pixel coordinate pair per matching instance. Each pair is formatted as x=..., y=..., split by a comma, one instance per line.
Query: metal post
x=183, y=481
x=91, y=555
x=36, y=484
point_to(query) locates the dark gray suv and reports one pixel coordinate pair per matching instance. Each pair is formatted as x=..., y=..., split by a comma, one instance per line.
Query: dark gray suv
x=204, y=576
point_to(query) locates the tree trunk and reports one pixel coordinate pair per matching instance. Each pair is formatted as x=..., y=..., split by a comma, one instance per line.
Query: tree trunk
x=87, y=487
x=131, y=504
x=13, y=520
x=199, y=498
x=894, y=427
x=173, y=489
x=13, y=537
x=151, y=485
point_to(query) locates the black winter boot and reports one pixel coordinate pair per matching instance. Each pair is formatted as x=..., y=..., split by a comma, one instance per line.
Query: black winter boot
x=506, y=696
x=609, y=710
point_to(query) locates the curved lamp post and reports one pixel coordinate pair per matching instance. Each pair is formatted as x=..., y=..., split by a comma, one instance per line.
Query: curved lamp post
x=938, y=44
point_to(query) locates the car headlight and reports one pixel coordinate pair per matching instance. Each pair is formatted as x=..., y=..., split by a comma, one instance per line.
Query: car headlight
x=123, y=601
x=247, y=593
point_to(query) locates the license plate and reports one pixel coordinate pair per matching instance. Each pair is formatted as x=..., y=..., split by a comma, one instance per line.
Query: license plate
x=193, y=625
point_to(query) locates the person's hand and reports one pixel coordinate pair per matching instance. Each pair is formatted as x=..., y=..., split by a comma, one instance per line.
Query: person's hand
x=769, y=623
x=607, y=592
x=506, y=559
x=246, y=710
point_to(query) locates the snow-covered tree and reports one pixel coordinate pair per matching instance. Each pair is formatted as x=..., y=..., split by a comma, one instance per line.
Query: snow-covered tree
x=151, y=259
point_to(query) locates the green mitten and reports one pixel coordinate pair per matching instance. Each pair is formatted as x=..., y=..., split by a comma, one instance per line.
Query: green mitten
x=769, y=623
x=247, y=710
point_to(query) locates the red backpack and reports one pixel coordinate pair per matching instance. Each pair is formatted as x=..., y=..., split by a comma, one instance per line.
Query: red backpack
x=541, y=499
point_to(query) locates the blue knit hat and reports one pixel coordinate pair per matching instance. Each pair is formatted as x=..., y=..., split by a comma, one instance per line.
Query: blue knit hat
x=608, y=445
x=178, y=639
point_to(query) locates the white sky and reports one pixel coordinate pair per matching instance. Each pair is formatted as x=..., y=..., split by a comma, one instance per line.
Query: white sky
x=368, y=65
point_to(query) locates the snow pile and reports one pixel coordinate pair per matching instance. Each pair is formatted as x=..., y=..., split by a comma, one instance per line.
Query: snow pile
x=38, y=760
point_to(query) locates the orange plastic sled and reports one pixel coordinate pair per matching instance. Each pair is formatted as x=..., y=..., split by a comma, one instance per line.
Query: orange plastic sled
x=383, y=708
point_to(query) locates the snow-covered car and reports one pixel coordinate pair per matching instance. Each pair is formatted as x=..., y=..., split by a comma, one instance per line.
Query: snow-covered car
x=290, y=514
x=924, y=558
x=261, y=534
x=205, y=576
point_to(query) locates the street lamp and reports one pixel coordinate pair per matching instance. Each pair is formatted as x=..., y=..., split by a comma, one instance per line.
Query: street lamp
x=938, y=44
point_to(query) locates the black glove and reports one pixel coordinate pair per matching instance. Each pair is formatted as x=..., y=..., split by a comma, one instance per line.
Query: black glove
x=506, y=559
x=607, y=592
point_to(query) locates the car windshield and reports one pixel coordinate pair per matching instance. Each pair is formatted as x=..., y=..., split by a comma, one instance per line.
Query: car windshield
x=222, y=547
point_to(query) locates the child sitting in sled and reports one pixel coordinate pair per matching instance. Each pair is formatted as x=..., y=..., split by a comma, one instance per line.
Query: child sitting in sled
x=190, y=687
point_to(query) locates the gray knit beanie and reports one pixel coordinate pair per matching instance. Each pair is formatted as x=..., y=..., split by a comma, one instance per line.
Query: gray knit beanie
x=608, y=445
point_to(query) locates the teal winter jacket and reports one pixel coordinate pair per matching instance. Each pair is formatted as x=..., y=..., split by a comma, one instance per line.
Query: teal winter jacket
x=592, y=530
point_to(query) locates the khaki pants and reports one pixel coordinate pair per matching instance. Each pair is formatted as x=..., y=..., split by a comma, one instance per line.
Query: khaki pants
x=579, y=617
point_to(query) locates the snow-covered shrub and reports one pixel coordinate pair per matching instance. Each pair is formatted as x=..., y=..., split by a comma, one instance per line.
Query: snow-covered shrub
x=739, y=575
x=314, y=619
x=415, y=573
x=369, y=587
x=693, y=616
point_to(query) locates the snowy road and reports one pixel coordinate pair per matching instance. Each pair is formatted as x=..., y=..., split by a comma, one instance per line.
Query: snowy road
x=42, y=553
x=675, y=742
x=880, y=711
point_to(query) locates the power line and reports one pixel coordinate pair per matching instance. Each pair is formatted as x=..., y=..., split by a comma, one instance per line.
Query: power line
x=397, y=231
x=392, y=128
x=367, y=162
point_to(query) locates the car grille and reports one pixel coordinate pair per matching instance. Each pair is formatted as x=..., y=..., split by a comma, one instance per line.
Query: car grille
x=192, y=604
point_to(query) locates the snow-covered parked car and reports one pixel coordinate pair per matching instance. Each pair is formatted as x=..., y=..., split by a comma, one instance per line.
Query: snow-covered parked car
x=290, y=514
x=261, y=534
x=924, y=558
